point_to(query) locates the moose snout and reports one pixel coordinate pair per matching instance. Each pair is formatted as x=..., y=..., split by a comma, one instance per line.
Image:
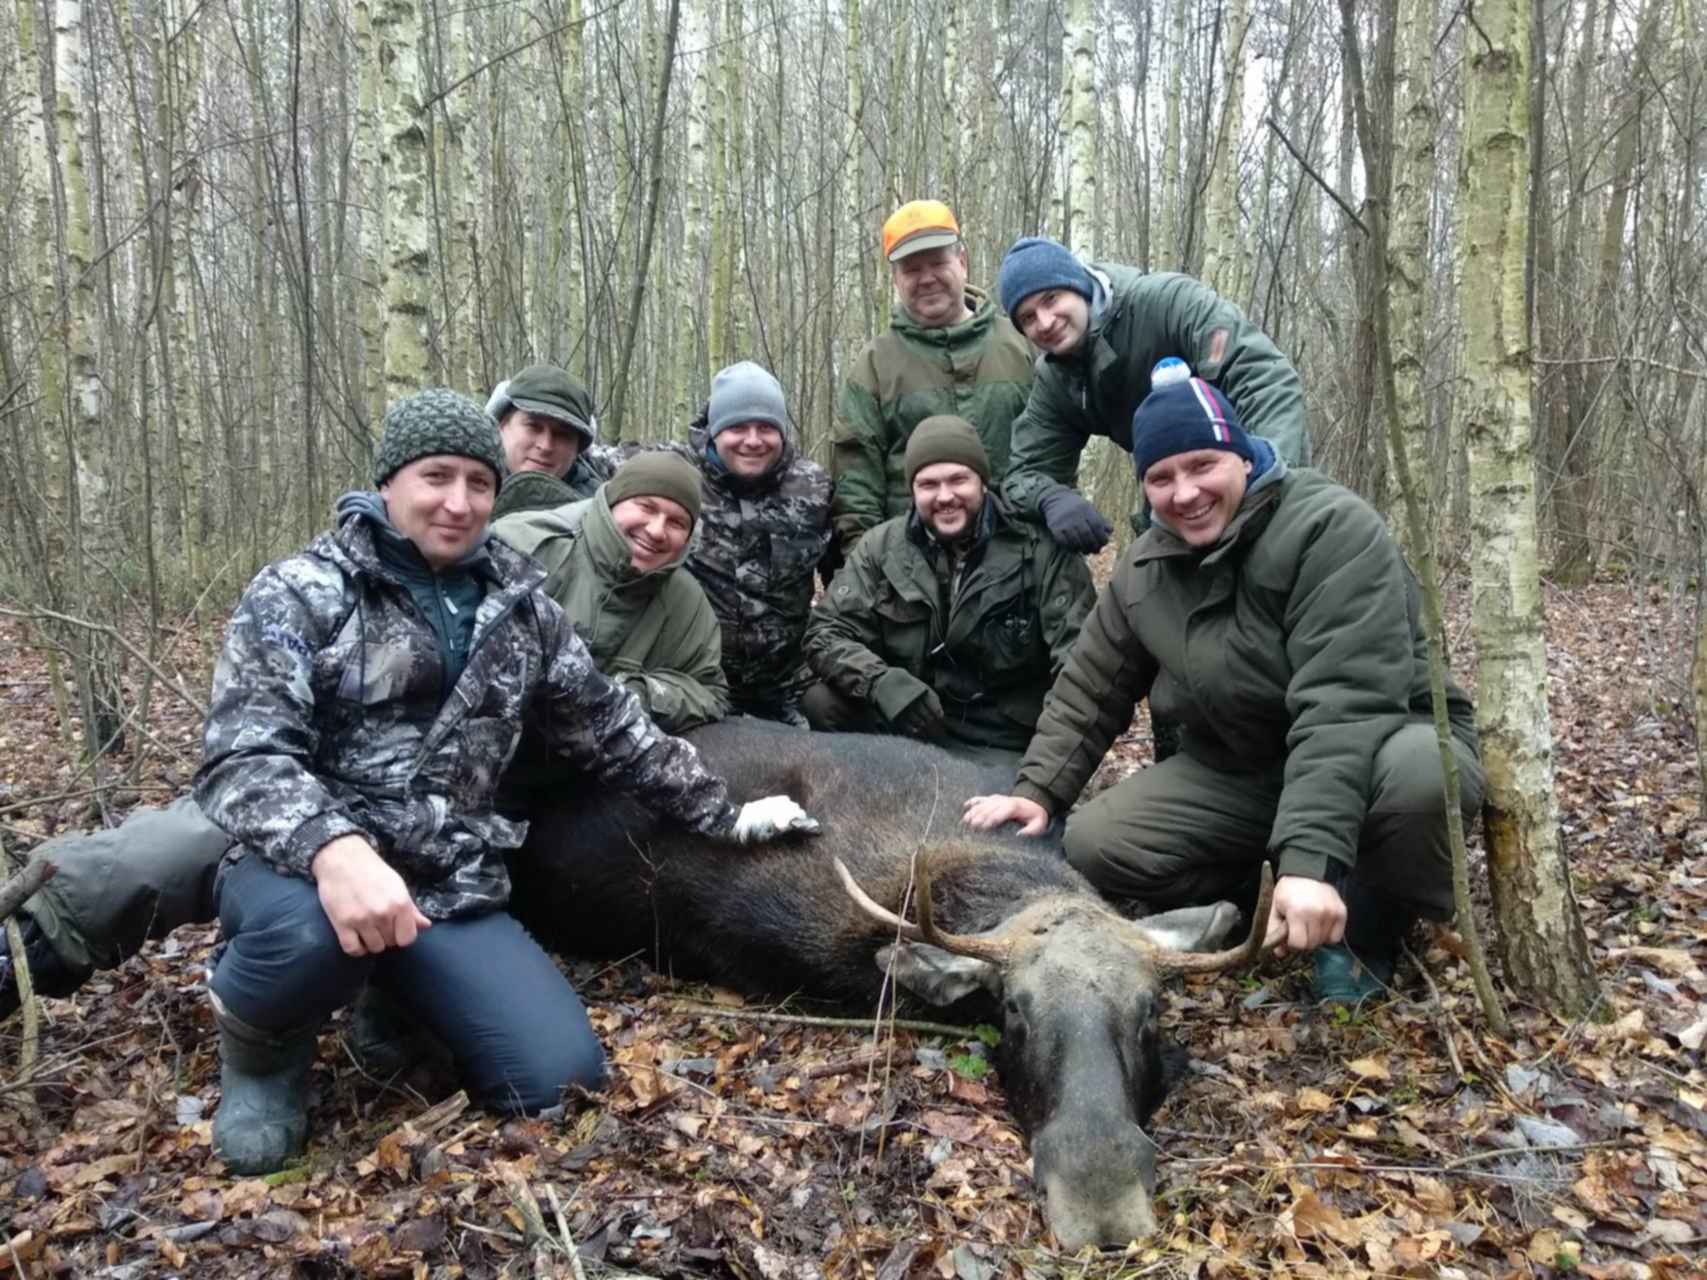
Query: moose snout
x=1096, y=1175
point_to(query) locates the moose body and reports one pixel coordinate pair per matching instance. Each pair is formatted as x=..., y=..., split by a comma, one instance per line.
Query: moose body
x=1075, y=985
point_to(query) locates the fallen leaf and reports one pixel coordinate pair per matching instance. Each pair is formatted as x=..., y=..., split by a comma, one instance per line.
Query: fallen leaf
x=1369, y=1069
x=1313, y=1101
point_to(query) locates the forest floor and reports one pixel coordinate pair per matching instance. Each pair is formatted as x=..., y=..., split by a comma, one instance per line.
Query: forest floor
x=1399, y=1139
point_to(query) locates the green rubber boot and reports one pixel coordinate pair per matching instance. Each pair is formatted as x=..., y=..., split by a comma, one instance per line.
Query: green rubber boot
x=1341, y=976
x=262, y=1121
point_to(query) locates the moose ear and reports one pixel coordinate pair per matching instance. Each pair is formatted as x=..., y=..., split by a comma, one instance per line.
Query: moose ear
x=936, y=976
x=1191, y=928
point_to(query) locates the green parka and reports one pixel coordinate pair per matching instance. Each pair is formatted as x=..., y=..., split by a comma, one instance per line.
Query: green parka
x=987, y=635
x=652, y=632
x=979, y=369
x=1295, y=644
x=1137, y=320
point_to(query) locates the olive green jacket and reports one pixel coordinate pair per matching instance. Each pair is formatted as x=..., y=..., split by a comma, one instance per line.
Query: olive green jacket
x=1294, y=645
x=987, y=636
x=1136, y=321
x=979, y=369
x=652, y=632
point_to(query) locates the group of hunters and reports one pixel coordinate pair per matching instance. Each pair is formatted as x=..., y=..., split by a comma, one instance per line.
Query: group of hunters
x=512, y=593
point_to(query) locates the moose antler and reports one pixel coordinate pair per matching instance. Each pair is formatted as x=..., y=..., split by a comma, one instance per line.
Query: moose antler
x=1215, y=961
x=979, y=947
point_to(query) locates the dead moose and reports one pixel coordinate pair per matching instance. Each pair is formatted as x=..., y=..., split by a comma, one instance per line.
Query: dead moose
x=1077, y=985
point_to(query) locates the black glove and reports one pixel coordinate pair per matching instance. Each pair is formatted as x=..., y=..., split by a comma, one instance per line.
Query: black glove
x=1074, y=522
x=908, y=703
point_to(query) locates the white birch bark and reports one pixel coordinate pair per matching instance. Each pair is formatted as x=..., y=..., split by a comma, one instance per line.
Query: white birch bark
x=408, y=279
x=1540, y=937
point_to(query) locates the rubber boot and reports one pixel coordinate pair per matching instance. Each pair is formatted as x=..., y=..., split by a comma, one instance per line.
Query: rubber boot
x=49, y=974
x=262, y=1121
x=385, y=1040
x=1361, y=967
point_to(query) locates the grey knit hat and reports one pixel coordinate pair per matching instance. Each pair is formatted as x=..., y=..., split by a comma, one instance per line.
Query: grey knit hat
x=546, y=390
x=946, y=438
x=745, y=392
x=656, y=473
x=433, y=421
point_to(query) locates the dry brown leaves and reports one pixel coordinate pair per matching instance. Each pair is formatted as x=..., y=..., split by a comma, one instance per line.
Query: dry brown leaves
x=1302, y=1144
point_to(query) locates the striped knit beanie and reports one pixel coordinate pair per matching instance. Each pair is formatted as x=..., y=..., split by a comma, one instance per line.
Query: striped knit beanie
x=1184, y=416
x=432, y=422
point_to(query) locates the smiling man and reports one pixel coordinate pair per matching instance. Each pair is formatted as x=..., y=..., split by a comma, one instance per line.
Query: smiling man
x=948, y=622
x=1270, y=614
x=615, y=563
x=369, y=695
x=947, y=350
x=1101, y=331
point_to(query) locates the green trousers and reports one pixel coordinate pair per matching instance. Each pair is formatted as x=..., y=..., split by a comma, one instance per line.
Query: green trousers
x=115, y=889
x=1181, y=833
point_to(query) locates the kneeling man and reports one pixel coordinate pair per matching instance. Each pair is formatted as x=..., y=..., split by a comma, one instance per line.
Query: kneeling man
x=951, y=621
x=371, y=691
x=1268, y=612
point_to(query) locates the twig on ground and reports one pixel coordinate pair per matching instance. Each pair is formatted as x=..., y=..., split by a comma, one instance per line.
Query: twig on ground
x=1446, y=1027
x=21, y=887
x=563, y=1230
x=807, y=1020
x=1476, y=1157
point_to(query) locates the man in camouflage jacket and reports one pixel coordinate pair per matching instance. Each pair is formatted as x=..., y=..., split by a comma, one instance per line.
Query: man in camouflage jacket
x=947, y=350
x=370, y=694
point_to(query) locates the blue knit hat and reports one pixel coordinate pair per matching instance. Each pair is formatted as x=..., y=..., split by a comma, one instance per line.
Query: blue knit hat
x=1036, y=263
x=1183, y=416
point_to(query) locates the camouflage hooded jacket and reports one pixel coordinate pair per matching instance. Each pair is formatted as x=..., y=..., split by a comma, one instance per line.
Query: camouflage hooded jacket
x=329, y=718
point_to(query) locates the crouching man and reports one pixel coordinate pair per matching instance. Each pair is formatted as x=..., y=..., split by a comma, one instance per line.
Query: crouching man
x=950, y=622
x=369, y=696
x=1269, y=613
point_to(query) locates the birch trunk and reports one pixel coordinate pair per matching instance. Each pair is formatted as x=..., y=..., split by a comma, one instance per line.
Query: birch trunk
x=1081, y=129
x=1541, y=938
x=370, y=178
x=1223, y=263
x=408, y=264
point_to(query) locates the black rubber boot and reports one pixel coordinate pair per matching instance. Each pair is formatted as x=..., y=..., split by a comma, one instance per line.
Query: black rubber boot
x=49, y=974
x=385, y=1040
x=262, y=1121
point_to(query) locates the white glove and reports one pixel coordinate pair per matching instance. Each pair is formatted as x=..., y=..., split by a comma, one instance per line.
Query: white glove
x=761, y=820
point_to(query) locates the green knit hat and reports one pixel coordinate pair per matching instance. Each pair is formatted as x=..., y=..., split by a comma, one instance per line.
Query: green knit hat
x=658, y=474
x=436, y=421
x=946, y=438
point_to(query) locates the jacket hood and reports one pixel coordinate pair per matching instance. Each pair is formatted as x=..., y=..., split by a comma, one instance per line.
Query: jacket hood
x=610, y=550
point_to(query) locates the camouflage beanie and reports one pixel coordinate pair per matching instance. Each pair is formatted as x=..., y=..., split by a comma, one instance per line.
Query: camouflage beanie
x=436, y=421
x=656, y=474
x=946, y=438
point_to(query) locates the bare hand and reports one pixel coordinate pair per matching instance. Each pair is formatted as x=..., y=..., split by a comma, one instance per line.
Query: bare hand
x=366, y=901
x=1306, y=914
x=986, y=813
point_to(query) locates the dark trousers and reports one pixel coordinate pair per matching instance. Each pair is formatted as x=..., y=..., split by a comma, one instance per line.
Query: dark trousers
x=830, y=712
x=515, y=1026
x=1181, y=833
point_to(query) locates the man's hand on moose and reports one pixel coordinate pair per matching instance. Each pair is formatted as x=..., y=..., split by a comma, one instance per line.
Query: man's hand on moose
x=986, y=813
x=1306, y=914
x=771, y=817
x=364, y=898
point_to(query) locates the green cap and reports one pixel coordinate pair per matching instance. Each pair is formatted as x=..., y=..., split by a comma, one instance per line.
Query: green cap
x=548, y=391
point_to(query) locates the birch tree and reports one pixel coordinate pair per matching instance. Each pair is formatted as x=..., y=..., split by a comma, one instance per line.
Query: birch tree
x=408, y=266
x=1541, y=938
